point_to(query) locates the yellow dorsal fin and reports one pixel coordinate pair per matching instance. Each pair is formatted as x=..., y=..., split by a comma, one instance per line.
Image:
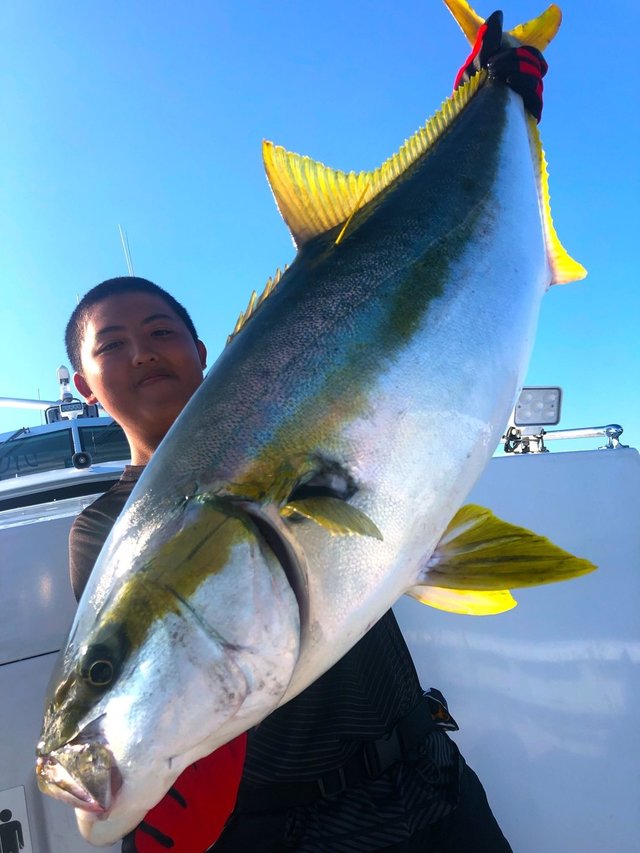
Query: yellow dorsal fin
x=537, y=32
x=313, y=198
x=563, y=267
x=256, y=301
x=466, y=601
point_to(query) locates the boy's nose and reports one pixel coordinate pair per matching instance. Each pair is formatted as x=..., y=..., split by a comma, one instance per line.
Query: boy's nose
x=144, y=355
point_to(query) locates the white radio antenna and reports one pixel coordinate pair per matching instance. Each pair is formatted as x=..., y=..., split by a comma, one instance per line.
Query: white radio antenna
x=125, y=249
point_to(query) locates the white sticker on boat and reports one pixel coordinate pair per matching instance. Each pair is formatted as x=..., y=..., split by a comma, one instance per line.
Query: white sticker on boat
x=14, y=826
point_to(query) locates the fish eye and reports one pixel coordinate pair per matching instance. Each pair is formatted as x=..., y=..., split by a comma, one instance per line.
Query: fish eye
x=100, y=673
x=96, y=669
x=328, y=480
x=103, y=660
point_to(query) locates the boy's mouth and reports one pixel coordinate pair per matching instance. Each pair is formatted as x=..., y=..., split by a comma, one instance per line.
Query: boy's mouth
x=152, y=378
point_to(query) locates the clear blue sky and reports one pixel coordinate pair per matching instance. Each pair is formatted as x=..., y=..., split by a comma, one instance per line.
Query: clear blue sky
x=152, y=115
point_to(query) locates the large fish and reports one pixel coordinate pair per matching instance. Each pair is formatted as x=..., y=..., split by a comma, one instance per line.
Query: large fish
x=319, y=472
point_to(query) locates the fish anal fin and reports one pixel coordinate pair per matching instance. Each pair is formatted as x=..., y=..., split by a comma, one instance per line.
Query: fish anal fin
x=479, y=551
x=564, y=268
x=334, y=515
x=465, y=601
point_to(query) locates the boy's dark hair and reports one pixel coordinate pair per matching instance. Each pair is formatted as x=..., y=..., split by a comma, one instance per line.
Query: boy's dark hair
x=114, y=287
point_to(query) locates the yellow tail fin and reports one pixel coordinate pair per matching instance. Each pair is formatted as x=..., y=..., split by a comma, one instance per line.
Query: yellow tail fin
x=537, y=32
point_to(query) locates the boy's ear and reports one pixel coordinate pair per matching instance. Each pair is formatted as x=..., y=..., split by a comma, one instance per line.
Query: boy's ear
x=83, y=388
x=202, y=352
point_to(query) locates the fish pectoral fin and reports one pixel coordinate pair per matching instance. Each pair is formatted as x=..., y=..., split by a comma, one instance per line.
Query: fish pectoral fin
x=334, y=515
x=537, y=32
x=469, y=602
x=479, y=551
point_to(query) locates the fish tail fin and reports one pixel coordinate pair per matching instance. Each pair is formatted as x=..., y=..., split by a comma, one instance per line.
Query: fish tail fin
x=537, y=32
x=540, y=31
x=467, y=18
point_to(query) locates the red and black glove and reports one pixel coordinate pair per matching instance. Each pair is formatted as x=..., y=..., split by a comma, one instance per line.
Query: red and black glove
x=521, y=68
x=193, y=813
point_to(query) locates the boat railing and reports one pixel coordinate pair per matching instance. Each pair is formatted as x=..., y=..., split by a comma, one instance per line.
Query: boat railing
x=515, y=440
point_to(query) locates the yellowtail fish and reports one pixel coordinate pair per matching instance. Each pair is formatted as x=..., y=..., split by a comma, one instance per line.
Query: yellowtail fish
x=321, y=470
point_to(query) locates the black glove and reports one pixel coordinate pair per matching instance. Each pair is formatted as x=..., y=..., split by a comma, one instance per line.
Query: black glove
x=521, y=68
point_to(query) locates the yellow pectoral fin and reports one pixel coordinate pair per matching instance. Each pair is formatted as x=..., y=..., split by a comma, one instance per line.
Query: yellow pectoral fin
x=479, y=551
x=336, y=516
x=466, y=601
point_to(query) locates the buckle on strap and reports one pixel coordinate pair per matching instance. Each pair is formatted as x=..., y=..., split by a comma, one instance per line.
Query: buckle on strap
x=383, y=753
x=333, y=783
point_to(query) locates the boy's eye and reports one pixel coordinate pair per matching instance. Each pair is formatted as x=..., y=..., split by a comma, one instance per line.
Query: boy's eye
x=161, y=332
x=111, y=345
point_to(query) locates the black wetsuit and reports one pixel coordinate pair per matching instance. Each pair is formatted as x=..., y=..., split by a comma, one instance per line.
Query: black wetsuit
x=321, y=774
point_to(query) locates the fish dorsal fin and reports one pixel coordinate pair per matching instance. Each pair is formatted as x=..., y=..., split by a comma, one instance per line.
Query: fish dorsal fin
x=537, y=32
x=479, y=551
x=469, y=602
x=255, y=302
x=563, y=267
x=313, y=198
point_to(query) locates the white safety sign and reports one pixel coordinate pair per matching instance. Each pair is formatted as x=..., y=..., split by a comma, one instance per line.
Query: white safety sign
x=14, y=826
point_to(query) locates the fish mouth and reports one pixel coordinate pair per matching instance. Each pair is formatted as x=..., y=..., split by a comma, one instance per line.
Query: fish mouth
x=82, y=774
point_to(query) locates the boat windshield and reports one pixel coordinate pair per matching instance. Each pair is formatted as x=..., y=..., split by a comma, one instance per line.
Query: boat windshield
x=48, y=451
x=104, y=444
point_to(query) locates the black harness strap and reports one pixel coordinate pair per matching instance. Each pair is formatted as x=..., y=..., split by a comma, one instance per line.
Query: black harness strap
x=404, y=743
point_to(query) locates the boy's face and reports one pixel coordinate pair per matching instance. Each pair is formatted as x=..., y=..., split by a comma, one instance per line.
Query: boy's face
x=140, y=362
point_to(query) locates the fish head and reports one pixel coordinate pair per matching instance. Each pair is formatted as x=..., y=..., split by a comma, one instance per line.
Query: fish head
x=198, y=631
